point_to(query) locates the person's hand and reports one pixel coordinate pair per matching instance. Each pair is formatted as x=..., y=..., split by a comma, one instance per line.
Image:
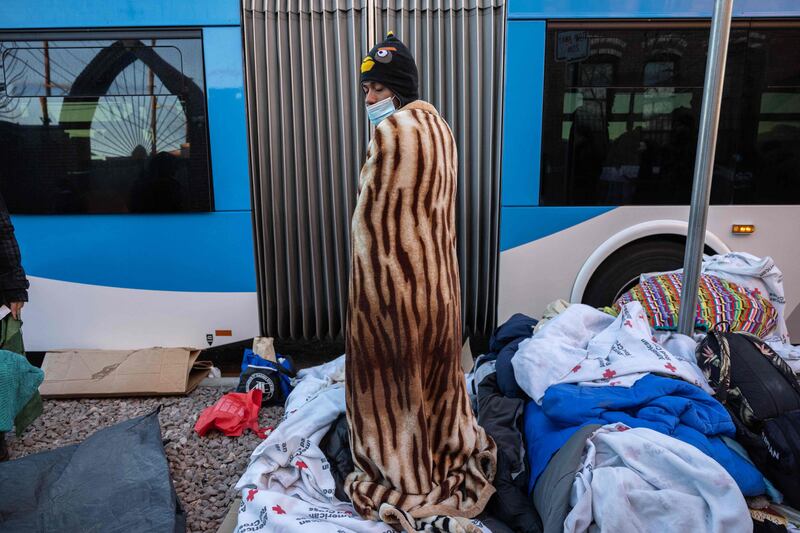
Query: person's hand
x=16, y=309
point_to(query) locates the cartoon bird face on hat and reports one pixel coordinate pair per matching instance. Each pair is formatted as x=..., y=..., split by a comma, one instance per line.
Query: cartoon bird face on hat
x=390, y=63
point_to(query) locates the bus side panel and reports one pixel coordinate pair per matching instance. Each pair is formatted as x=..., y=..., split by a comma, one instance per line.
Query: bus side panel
x=522, y=123
x=542, y=250
x=127, y=281
x=64, y=315
x=42, y=14
x=222, y=51
x=605, y=9
x=534, y=273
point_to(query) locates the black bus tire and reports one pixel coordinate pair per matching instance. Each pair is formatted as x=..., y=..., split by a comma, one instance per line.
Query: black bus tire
x=621, y=270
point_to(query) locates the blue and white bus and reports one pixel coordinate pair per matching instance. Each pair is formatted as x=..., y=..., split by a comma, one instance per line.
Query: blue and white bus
x=600, y=130
x=123, y=159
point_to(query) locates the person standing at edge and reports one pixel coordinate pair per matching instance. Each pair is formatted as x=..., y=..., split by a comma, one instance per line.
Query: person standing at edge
x=420, y=457
x=13, y=283
x=13, y=293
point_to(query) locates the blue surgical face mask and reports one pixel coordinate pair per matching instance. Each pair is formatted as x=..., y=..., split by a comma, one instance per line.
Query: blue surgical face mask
x=380, y=110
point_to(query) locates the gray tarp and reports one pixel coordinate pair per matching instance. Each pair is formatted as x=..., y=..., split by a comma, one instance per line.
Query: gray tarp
x=117, y=480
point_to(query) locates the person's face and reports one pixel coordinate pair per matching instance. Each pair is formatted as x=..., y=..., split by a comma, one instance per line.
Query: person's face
x=375, y=92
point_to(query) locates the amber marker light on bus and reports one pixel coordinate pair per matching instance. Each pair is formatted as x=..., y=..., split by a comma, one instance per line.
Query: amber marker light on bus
x=743, y=229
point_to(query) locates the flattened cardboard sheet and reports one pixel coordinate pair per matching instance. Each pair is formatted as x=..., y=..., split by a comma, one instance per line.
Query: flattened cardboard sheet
x=104, y=373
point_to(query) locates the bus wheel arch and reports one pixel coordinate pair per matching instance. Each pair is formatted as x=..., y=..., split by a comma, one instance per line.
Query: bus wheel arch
x=651, y=246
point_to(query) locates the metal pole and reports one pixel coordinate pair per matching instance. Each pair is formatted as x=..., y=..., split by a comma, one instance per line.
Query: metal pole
x=47, y=85
x=704, y=161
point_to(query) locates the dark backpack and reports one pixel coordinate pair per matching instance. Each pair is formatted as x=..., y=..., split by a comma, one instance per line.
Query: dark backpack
x=762, y=394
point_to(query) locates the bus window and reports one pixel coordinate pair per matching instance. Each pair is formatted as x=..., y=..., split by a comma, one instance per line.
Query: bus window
x=113, y=124
x=769, y=140
x=620, y=123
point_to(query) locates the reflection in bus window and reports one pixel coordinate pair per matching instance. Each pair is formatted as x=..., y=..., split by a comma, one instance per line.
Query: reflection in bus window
x=772, y=112
x=620, y=124
x=103, y=126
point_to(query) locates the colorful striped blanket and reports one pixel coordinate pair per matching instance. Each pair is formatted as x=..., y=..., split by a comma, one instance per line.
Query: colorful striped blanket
x=719, y=301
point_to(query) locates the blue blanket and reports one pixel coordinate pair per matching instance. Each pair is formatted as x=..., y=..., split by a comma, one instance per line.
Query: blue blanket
x=667, y=405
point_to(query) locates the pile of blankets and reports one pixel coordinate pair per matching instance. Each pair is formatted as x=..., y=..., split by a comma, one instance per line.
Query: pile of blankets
x=601, y=423
x=619, y=429
x=601, y=396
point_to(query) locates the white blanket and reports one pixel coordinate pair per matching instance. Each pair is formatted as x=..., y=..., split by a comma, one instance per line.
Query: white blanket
x=639, y=480
x=288, y=485
x=587, y=346
x=751, y=272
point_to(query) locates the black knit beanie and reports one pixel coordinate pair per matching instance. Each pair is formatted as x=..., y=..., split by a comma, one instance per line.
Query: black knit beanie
x=390, y=63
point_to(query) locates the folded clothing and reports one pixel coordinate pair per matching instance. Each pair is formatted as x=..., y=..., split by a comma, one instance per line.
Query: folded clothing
x=669, y=406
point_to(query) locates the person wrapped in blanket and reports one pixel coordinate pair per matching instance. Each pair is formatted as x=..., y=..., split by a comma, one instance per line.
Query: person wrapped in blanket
x=420, y=459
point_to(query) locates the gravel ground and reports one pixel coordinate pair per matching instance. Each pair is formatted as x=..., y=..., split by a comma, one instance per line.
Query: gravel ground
x=204, y=469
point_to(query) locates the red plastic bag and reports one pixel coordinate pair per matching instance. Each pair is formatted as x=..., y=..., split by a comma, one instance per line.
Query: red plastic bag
x=233, y=413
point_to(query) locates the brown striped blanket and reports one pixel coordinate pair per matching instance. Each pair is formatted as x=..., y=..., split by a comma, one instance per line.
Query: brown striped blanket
x=417, y=448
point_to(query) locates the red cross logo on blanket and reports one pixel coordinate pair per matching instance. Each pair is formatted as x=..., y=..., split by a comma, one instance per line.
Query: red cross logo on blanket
x=278, y=509
x=301, y=465
x=608, y=374
x=251, y=494
x=670, y=367
x=577, y=367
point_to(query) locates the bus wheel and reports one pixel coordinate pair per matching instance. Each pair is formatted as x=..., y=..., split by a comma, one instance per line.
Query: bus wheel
x=620, y=272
